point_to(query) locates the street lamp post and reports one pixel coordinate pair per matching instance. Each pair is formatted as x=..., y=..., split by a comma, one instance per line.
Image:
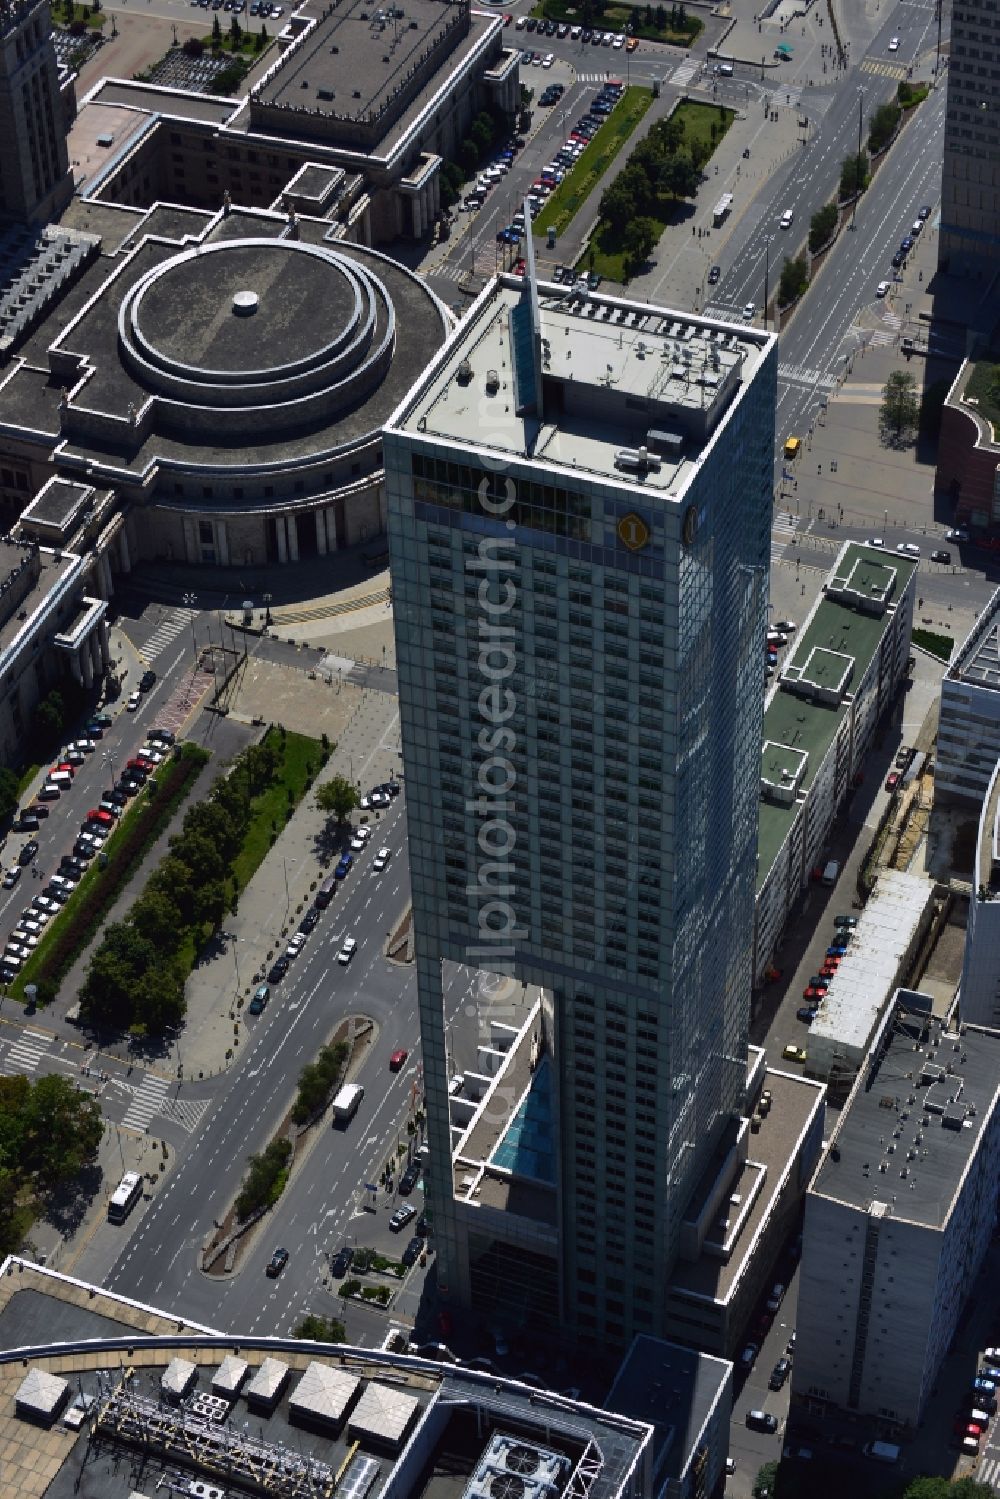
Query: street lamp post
x=190, y=600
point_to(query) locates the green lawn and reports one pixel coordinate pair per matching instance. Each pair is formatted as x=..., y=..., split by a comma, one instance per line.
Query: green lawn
x=620, y=17
x=561, y=208
x=302, y=759
x=605, y=253
x=81, y=14
x=983, y=386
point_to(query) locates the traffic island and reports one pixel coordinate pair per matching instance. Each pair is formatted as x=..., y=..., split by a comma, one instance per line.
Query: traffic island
x=288, y=1148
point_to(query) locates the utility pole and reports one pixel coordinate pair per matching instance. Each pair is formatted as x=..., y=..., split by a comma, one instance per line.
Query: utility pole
x=767, y=269
x=937, y=58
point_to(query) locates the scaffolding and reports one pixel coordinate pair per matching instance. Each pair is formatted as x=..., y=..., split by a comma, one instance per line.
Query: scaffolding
x=182, y=1436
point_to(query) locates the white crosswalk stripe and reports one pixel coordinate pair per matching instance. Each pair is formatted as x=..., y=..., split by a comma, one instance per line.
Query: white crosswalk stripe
x=149, y=1100
x=684, y=73
x=889, y=332
x=783, y=532
x=801, y=374
x=989, y=1472
x=167, y=630
x=25, y=1054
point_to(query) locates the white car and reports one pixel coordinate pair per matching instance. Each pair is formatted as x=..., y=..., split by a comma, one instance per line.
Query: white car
x=361, y=837
x=12, y=876
x=908, y=549
x=882, y=289
x=957, y=533
x=381, y=859
x=33, y=923
x=347, y=952
x=150, y=753
x=520, y=23
x=23, y=938
x=618, y=42
x=548, y=59
x=786, y=626
x=875, y=541
x=750, y=310
x=456, y=1085
x=135, y=699
x=87, y=746
x=894, y=44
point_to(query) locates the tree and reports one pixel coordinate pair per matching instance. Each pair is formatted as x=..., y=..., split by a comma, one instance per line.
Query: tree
x=337, y=797
x=793, y=281
x=617, y=206
x=853, y=175
x=883, y=126
x=50, y=715
x=766, y=1481
x=157, y=916
x=8, y=793
x=321, y=1329
x=216, y=34
x=61, y=1130
x=159, y=1001
x=639, y=240
x=107, y=997
x=929, y=1487
x=468, y=155
x=260, y=40
x=821, y=226
x=900, y=409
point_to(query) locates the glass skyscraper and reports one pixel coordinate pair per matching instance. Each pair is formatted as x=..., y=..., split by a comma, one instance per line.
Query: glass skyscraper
x=579, y=494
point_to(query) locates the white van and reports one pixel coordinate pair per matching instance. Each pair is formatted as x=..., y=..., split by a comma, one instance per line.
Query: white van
x=831, y=874
x=60, y=778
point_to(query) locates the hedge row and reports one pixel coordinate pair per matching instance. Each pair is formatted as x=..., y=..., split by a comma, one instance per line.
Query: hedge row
x=75, y=927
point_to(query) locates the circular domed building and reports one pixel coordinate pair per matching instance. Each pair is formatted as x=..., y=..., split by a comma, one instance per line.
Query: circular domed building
x=228, y=380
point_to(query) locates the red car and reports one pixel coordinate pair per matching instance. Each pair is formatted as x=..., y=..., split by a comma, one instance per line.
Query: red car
x=964, y=1428
x=812, y=991
x=892, y=780
x=103, y=818
x=828, y=971
x=397, y=1059
x=519, y=268
x=507, y=20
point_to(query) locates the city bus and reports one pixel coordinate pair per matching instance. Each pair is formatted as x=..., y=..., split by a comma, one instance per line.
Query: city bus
x=124, y=1197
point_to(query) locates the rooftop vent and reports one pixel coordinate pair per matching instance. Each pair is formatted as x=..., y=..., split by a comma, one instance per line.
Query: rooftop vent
x=464, y=372
x=492, y=382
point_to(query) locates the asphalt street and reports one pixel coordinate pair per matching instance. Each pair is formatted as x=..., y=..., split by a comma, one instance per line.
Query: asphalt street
x=304, y=1011
x=818, y=344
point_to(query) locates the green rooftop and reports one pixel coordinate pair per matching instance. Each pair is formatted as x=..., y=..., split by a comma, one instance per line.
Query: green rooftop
x=836, y=635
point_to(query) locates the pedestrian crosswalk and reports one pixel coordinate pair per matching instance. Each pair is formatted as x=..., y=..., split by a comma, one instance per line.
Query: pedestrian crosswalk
x=889, y=332
x=25, y=1054
x=884, y=69
x=167, y=630
x=594, y=77
x=801, y=374
x=783, y=532
x=151, y=1102
x=683, y=73
x=989, y=1472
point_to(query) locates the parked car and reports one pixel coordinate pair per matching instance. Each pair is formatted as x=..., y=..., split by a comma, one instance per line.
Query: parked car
x=409, y=1179
x=780, y=1373
x=135, y=698
x=343, y=867
x=941, y=556
x=12, y=876
x=413, y=1251
x=402, y=1216
x=261, y=995
x=762, y=1421
x=28, y=852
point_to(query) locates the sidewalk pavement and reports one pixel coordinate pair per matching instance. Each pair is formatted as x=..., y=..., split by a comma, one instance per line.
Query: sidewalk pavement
x=272, y=904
